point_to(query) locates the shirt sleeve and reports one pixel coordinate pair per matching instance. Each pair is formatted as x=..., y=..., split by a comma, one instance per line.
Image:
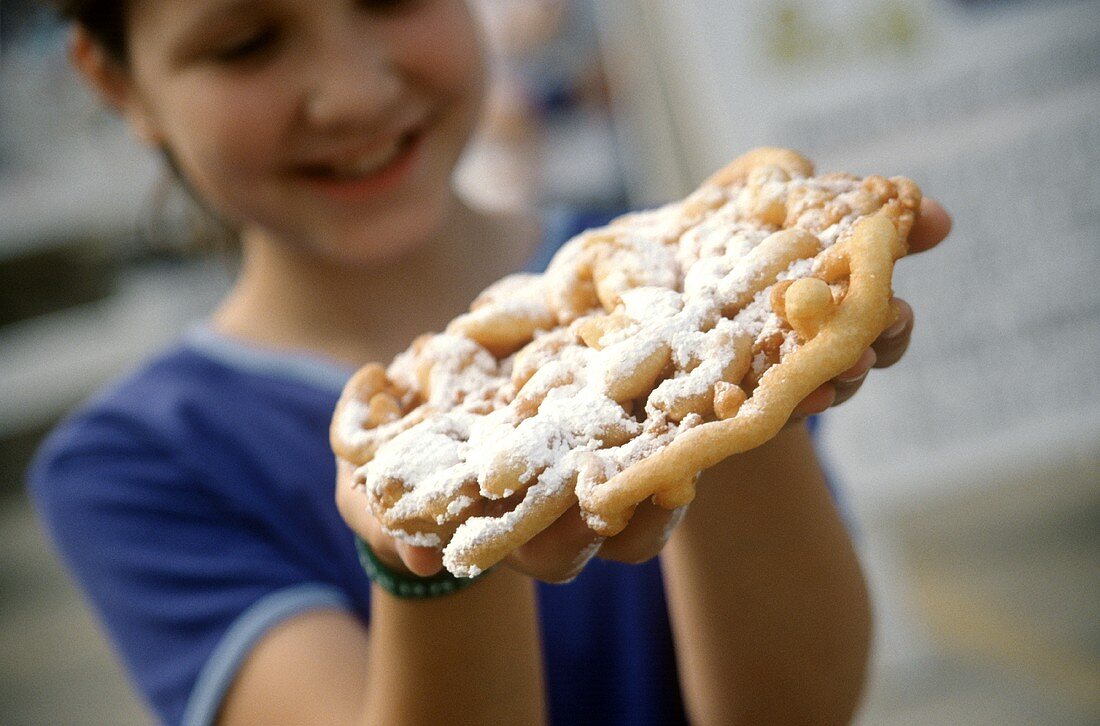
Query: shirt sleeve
x=184, y=584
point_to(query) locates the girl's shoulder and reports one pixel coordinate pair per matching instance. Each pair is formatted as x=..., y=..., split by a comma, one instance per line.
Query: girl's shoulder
x=207, y=398
x=142, y=407
x=190, y=498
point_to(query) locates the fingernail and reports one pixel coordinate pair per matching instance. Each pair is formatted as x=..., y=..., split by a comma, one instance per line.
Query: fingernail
x=894, y=330
x=855, y=379
x=402, y=549
x=584, y=557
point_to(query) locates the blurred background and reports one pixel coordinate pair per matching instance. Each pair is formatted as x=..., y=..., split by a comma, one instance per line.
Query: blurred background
x=971, y=471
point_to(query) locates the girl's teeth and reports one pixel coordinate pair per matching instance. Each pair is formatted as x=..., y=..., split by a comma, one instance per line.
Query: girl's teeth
x=368, y=164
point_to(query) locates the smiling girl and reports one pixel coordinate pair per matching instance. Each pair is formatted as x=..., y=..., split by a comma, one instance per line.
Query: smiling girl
x=193, y=500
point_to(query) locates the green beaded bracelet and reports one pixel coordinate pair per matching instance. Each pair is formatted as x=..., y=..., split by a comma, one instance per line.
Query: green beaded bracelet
x=410, y=587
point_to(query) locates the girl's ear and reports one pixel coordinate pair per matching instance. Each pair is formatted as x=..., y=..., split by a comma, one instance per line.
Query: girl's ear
x=111, y=80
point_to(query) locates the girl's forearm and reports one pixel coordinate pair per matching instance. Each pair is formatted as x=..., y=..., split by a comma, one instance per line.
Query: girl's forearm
x=768, y=604
x=471, y=657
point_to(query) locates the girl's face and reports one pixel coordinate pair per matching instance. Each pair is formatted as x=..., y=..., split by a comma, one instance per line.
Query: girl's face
x=331, y=125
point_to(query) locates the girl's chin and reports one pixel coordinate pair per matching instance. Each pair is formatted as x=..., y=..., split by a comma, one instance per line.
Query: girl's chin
x=379, y=254
x=383, y=244
x=373, y=238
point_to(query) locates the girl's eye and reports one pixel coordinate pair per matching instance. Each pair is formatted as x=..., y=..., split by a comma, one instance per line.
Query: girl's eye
x=249, y=47
x=383, y=6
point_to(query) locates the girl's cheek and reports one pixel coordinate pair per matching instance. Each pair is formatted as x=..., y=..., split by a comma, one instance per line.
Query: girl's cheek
x=229, y=136
x=455, y=56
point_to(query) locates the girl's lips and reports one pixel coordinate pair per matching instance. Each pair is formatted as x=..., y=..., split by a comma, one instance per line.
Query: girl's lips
x=353, y=188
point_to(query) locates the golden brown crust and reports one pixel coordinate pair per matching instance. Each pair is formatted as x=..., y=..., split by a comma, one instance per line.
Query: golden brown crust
x=650, y=349
x=857, y=321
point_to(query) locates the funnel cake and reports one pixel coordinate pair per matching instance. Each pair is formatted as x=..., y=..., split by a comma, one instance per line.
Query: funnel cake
x=649, y=350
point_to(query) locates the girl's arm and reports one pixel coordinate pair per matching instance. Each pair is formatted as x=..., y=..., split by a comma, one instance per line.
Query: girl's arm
x=768, y=606
x=470, y=657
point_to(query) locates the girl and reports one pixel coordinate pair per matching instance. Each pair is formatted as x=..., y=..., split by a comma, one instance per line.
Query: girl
x=193, y=500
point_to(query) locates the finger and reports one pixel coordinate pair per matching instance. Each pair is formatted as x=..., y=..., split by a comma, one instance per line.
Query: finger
x=847, y=383
x=422, y=561
x=930, y=228
x=893, y=342
x=351, y=502
x=846, y=391
x=817, y=402
x=649, y=529
x=559, y=552
x=401, y=556
x=859, y=370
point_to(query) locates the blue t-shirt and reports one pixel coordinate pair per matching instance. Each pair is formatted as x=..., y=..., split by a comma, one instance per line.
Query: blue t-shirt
x=193, y=501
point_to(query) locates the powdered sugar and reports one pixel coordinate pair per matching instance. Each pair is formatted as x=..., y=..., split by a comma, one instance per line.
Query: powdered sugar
x=687, y=286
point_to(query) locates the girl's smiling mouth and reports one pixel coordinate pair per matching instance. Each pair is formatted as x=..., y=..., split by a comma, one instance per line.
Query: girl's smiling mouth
x=362, y=176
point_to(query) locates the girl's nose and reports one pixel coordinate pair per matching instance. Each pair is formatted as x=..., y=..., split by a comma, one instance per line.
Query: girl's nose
x=355, y=82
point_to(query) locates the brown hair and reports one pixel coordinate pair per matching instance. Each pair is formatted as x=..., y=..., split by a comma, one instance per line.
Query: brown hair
x=105, y=20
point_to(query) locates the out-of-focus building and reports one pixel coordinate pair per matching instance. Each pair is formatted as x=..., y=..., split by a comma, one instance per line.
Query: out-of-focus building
x=973, y=468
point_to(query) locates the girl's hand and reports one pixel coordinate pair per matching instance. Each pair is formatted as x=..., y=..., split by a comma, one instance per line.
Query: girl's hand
x=560, y=552
x=557, y=554
x=930, y=228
